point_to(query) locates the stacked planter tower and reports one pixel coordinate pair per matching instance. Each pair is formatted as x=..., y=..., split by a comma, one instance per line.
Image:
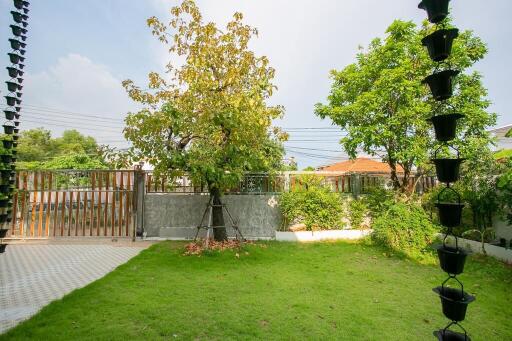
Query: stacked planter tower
x=12, y=114
x=455, y=300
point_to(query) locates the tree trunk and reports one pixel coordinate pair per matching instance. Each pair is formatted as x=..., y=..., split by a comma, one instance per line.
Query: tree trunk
x=394, y=176
x=219, y=233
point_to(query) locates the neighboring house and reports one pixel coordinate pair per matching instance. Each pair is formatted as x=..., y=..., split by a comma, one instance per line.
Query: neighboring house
x=503, y=138
x=360, y=165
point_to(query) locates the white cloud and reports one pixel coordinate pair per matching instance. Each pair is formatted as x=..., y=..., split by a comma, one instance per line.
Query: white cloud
x=75, y=84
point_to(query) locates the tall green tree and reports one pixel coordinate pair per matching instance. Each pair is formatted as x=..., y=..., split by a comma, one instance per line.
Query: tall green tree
x=208, y=116
x=381, y=104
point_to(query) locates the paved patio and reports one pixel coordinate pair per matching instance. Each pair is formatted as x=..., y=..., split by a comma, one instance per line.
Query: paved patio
x=31, y=276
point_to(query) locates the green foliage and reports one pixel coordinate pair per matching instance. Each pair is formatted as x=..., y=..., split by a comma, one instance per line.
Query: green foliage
x=37, y=145
x=312, y=204
x=358, y=210
x=503, y=154
x=405, y=228
x=504, y=185
x=382, y=105
x=211, y=118
x=378, y=200
x=70, y=161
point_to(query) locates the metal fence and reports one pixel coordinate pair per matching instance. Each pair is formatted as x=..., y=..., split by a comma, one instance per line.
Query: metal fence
x=73, y=204
x=350, y=183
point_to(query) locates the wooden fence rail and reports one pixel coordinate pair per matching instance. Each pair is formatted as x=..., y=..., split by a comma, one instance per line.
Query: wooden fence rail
x=73, y=204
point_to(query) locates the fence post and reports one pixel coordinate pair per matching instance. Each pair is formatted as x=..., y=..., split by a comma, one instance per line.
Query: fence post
x=139, y=189
x=286, y=181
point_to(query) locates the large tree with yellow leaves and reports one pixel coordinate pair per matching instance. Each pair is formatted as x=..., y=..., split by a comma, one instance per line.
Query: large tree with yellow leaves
x=208, y=116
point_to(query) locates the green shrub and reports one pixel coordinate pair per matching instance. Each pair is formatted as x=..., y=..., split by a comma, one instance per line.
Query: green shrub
x=315, y=206
x=405, y=228
x=378, y=200
x=357, y=212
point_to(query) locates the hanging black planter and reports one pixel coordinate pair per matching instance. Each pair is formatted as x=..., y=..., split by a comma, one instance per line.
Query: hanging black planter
x=18, y=109
x=11, y=86
x=9, y=115
x=17, y=30
x=449, y=335
x=441, y=84
x=18, y=4
x=17, y=116
x=8, y=129
x=12, y=182
x=17, y=16
x=15, y=137
x=4, y=202
x=3, y=247
x=439, y=44
x=447, y=170
x=12, y=71
x=14, y=58
x=3, y=232
x=454, y=302
x=16, y=130
x=11, y=101
x=437, y=10
x=16, y=44
x=4, y=188
x=445, y=126
x=450, y=214
x=5, y=174
x=7, y=144
x=16, y=123
x=451, y=259
x=5, y=158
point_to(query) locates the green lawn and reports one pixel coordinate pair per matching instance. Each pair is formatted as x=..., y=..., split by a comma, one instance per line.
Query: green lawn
x=272, y=291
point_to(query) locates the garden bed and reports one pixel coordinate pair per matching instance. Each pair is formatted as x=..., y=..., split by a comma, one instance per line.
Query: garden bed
x=315, y=236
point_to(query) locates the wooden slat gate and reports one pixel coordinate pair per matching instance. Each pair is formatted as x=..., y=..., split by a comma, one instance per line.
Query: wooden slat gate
x=73, y=203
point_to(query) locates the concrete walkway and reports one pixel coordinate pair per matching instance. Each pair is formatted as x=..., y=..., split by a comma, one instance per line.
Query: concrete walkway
x=31, y=276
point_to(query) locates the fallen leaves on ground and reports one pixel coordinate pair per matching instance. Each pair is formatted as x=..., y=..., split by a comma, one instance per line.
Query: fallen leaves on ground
x=197, y=248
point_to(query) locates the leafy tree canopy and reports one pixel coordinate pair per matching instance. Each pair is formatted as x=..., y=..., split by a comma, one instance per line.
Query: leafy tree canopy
x=209, y=117
x=382, y=105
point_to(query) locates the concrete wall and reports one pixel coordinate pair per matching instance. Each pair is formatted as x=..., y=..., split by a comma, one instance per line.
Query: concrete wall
x=175, y=216
x=503, y=229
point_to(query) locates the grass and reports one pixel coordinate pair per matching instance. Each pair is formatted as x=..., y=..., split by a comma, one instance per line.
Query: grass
x=272, y=291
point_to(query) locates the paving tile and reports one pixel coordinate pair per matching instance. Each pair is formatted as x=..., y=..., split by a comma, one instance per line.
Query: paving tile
x=31, y=276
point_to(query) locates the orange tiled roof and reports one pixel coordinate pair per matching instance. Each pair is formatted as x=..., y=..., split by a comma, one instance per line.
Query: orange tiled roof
x=360, y=165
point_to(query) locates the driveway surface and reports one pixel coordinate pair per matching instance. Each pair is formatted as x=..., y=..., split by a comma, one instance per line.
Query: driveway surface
x=31, y=276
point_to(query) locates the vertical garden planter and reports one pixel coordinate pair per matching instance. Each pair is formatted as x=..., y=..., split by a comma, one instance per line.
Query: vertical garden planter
x=451, y=259
x=445, y=126
x=439, y=44
x=447, y=170
x=437, y=10
x=454, y=302
x=441, y=84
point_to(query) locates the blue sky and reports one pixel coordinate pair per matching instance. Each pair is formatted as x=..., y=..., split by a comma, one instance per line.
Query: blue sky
x=79, y=52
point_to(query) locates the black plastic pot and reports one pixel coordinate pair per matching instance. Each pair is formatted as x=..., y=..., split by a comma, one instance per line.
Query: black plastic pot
x=25, y=24
x=15, y=137
x=441, y=84
x=25, y=10
x=21, y=66
x=16, y=130
x=19, y=94
x=5, y=174
x=11, y=101
x=16, y=123
x=18, y=4
x=450, y=214
x=16, y=30
x=17, y=16
x=14, y=58
x=8, y=129
x=4, y=202
x=454, y=302
x=16, y=44
x=445, y=126
x=3, y=218
x=451, y=259
x=18, y=109
x=7, y=144
x=15, y=144
x=5, y=188
x=17, y=116
x=3, y=247
x=6, y=158
x=12, y=182
x=11, y=86
x=12, y=71
x=9, y=115
x=3, y=232
x=439, y=44
x=437, y=10
x=447, y=170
